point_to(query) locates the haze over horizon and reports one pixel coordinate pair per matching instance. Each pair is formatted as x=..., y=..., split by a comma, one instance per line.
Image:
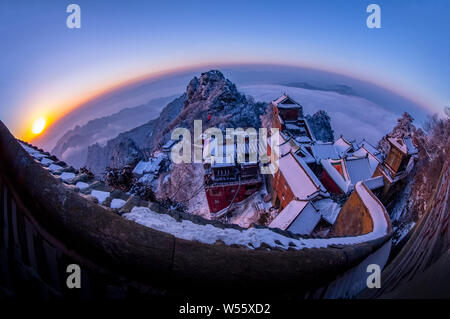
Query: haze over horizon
x=51, y=70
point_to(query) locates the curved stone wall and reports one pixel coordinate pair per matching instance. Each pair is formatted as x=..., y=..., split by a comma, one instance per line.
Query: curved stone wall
x=45, y=227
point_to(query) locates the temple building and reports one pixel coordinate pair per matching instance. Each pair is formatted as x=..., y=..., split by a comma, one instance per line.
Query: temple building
x=288, y=117
x=398, y=163
x=228, y=180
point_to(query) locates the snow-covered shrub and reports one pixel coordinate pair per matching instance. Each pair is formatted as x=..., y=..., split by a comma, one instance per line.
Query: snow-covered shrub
x=120, y=178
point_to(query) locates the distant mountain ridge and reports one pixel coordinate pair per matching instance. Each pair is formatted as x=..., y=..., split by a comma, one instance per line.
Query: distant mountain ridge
x=72, y=147
x=133, y=145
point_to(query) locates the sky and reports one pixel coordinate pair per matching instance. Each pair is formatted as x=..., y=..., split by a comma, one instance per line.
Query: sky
x=47, y=69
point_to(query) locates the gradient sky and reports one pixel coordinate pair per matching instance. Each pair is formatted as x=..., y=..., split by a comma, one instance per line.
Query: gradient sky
x=47, y=69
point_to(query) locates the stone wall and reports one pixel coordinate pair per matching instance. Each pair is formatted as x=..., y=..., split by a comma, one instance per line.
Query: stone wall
x=44, y=227
x=354, y=218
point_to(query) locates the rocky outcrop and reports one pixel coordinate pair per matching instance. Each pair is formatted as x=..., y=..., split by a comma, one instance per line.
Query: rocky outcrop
x=217, y=102
x=320, y=124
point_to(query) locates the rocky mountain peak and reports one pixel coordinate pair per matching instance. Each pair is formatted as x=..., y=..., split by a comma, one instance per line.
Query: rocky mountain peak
x=210, y=85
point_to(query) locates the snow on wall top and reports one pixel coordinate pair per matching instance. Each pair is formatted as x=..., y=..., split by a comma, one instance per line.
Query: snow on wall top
x=255, y=237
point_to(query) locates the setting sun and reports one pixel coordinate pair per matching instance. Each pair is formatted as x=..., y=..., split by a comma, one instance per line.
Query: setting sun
x=38, y=125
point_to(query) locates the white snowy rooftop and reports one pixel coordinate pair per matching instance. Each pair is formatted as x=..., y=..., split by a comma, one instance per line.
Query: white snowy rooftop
x=403, y=144
x=300, y=179
x=285, y=218
x=151, y=166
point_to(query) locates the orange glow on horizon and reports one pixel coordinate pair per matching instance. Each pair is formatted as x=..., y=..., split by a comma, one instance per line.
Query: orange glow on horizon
x=55, y=111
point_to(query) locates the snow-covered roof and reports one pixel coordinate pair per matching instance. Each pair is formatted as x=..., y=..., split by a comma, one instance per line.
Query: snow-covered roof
x=303, y=139
x=398, y=143
x=169, y=144
x=305, y=155
x=410, y=146
x=294, y=127
x=358, y=169
x=285, y=218
x=285, y=101
x=288, y=106
x=117, y=203
x=341, y=182
x=324, y=151
x=405, y=145
x=54, y=167
x=139, y=168
x=370, y=148
x=81, y=185
x=354, y=169
x=328, y=209
x=285, y=143
x=310, y=173
x=301, y=217
x=301, y=183
x=306, y=221
x=342, y=145
x=373, y=160
x=151, y=166
x=336, y=150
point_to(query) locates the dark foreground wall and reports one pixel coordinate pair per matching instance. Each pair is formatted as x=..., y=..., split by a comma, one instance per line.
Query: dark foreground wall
x=44, y=227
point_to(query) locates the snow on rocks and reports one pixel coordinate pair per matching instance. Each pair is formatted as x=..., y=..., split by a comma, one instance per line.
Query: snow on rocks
x=46, y=161
x=100, y=195
x=81, y=185
x=117, y=203
x=54, y=167
x=38, y=155
x=67, y=176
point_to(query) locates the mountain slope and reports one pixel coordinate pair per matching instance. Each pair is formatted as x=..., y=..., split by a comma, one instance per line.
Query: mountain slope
x=72, y=147
x=131, y=146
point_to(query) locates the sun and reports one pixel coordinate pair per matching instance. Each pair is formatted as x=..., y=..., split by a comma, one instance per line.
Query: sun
x=38, y=125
